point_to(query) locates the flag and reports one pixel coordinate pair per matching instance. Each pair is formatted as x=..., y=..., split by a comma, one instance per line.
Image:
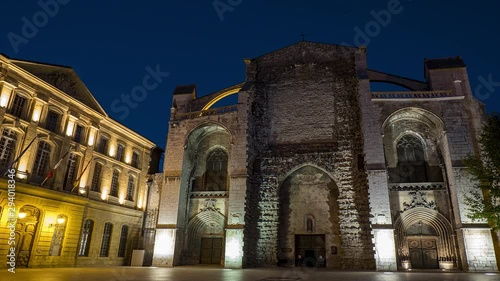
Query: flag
x=75, y=183
x=51, y=172
x=20, y=155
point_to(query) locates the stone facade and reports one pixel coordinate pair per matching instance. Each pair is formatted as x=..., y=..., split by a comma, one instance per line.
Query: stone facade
x=321, y=167
x=90, y=212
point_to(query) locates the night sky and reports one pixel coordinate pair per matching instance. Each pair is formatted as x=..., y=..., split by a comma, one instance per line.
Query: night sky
x=110, y=45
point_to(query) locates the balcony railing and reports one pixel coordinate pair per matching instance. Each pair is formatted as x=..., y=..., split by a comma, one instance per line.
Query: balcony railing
x=209, y=112
x=413, y=95
x=417, y=186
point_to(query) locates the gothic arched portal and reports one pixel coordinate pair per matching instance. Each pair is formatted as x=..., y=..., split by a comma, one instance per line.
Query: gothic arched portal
x=309, y=223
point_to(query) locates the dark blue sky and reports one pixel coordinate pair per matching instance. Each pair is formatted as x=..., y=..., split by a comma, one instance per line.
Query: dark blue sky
x=111, y=43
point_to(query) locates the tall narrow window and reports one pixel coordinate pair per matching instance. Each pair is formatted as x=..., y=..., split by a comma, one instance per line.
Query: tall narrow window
x=411, y=159
x=58, y=237
x=130, y=188
x=114, y=183
x=78, y=134
x=18, y=106
x=120, y=152
x=106, y=238
x=103, y=145
x=42, y=159
x=135, y=160
x=216, y=171
x=123, y=242
x=7, y=147
x=96, y=178
x=71, y=171
x=52, y=121
x=85, y=238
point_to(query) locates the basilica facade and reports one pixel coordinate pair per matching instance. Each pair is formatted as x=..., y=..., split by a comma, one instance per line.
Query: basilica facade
x=313, y=167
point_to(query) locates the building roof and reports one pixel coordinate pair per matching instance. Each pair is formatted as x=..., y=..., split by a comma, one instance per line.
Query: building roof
x=453, y=62
x=185, y=89
x=63, y=78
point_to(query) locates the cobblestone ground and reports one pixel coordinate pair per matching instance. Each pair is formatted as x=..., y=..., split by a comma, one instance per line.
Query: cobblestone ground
x=203, y=274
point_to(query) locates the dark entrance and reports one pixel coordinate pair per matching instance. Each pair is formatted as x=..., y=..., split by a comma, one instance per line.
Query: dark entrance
x=423, y=253
x=310, y=247
x=211, y=250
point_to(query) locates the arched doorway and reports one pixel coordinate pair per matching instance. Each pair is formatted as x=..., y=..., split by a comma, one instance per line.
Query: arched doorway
x=309, y=232
x=205, y=241
x=26, y=228
x=425, y=238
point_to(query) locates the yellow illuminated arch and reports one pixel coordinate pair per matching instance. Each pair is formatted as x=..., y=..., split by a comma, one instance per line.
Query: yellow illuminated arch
x=221, y=96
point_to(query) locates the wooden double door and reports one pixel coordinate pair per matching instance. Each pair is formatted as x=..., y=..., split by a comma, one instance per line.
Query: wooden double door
x=211, y=250
x=423, y=253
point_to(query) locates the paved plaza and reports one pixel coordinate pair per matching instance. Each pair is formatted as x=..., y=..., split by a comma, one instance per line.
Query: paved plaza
x=203, y=274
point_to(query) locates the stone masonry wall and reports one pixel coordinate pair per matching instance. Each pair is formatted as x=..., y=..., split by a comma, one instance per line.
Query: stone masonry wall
x=325, y=75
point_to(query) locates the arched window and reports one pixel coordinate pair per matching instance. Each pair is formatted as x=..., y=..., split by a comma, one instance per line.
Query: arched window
x=42, y=159
x=7, y=147
x=106, y=239
x=114, y=183
x=411, y=159
x=96, y=178
x=123, y=242
x=216, y=171
x=88, y=227
x=130, y=188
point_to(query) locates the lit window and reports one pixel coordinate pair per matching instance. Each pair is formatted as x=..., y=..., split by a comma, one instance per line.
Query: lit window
x=123, y=242
x=106, y=238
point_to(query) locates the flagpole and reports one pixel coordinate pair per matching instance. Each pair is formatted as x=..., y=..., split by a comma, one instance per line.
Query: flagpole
x=79, y=178
x=51, y=172
x=20, y=155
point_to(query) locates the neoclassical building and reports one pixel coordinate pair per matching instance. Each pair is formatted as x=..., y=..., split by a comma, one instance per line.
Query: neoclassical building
x=91, y=210
x=312, y=162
